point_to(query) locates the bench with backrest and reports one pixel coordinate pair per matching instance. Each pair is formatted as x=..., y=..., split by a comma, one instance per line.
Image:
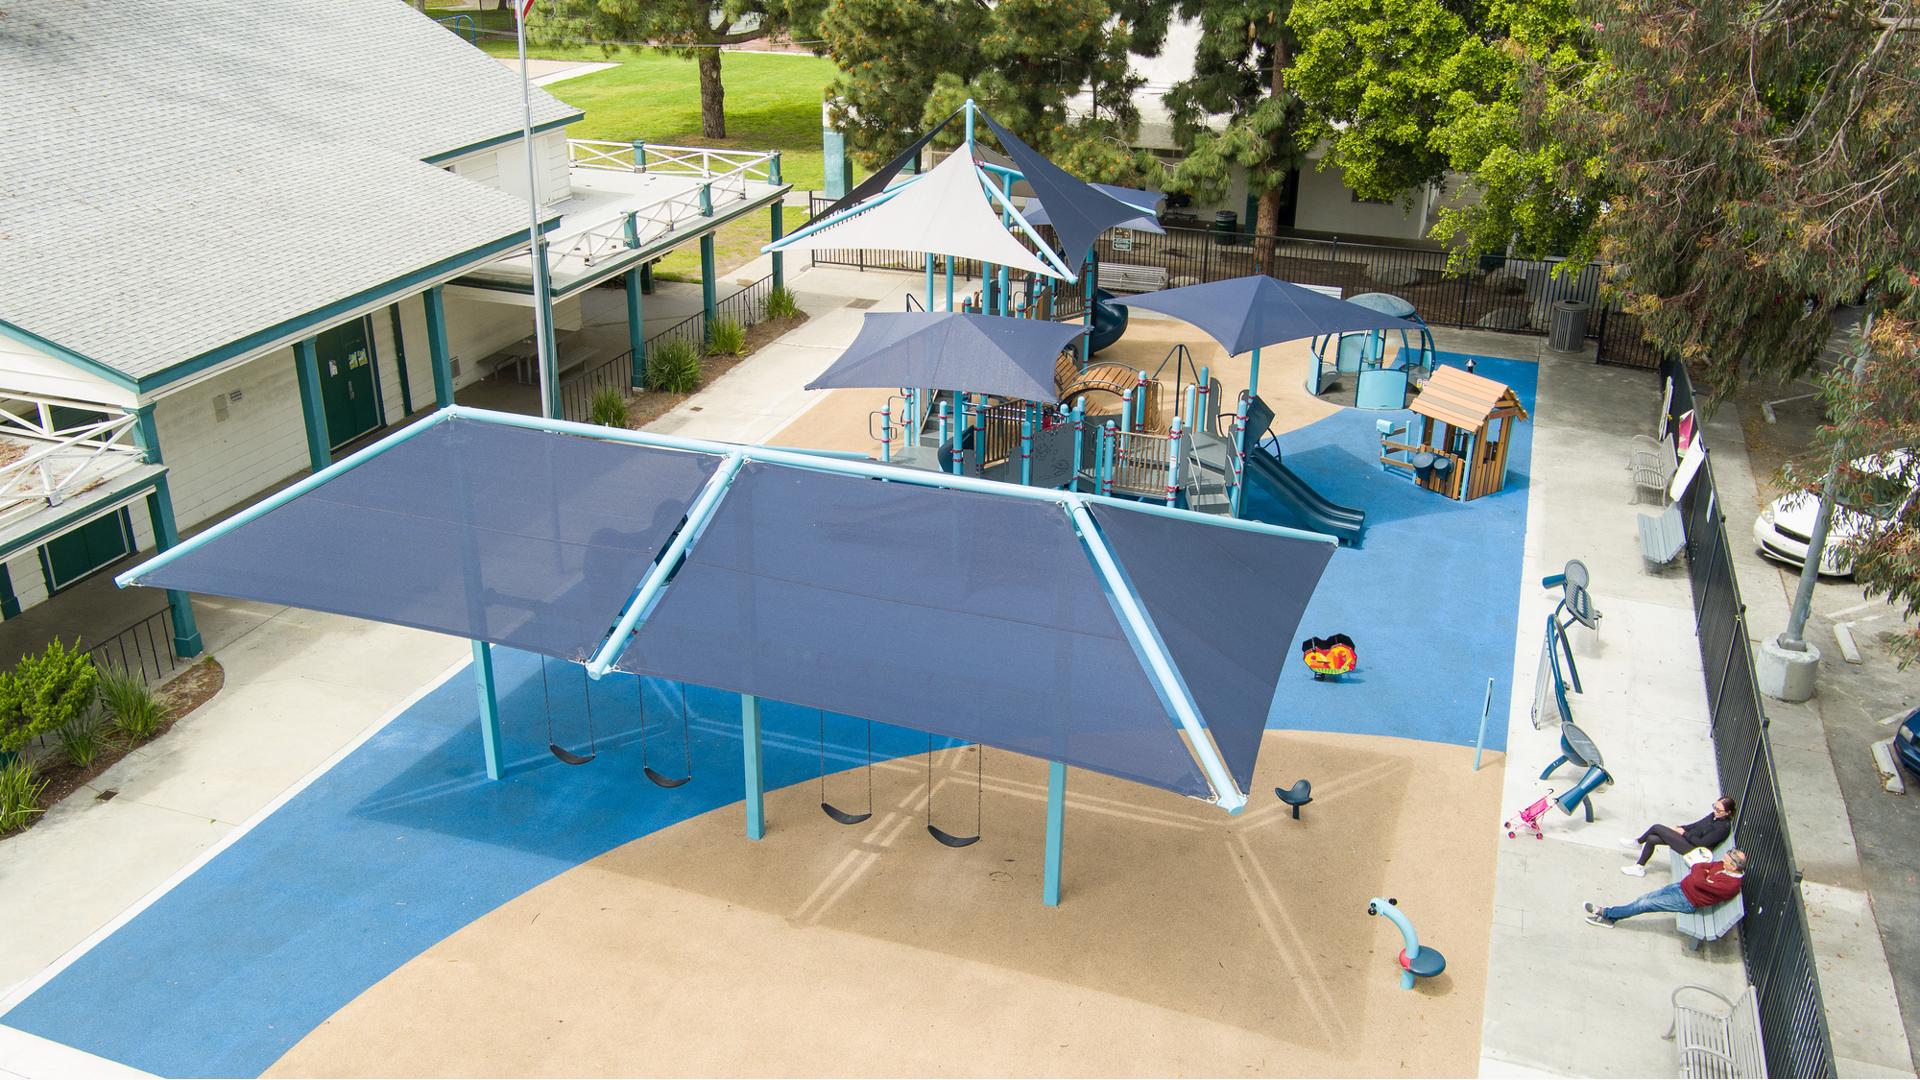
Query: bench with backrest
x=1662, y=536
x=1708, y=924
x=1129, y=278
x=1717, y=1037
x=1653, y=463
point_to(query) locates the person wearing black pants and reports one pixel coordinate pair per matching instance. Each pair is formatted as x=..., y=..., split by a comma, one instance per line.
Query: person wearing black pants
x=1708, y=832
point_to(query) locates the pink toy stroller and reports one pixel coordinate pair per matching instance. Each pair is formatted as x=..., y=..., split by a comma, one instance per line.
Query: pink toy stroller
x=1530, y=817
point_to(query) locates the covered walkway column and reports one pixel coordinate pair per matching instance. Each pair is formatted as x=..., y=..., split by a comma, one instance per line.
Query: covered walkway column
x=437, y=346
x=635, y=285
x=779, y=222
x=312, y=404
x=709, y=300
x=489, y=697
x=186, y=631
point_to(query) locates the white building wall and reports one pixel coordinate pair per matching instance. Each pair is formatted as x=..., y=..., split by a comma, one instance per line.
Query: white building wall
x=28, y=370
x=1326, y=204
x=214, y=463
x=505, y=167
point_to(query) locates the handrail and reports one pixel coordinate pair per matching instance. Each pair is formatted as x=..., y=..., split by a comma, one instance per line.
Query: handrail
x=58, y=465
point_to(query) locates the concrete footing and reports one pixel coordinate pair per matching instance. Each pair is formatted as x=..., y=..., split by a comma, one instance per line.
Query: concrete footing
x=1784, y=673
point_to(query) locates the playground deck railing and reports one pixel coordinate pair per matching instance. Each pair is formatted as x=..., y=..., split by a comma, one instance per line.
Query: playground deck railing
x=1495, y=293
x=1774, y=940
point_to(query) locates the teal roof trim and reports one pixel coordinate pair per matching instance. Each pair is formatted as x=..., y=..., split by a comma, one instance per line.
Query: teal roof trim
x=449, y=155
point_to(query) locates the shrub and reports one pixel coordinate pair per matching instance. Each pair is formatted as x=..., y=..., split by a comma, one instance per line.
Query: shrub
x=83, y=736
x=44, y=693
x=782, y=304
x=674, y=367
x=726, y=337
x=131, y=706
x=608, y=408
x=19, y=795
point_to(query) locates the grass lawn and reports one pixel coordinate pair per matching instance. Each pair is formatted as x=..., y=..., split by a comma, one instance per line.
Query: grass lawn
x=773, y=103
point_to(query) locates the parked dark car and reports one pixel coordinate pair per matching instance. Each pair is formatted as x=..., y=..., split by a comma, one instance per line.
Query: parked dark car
x=1906, y=743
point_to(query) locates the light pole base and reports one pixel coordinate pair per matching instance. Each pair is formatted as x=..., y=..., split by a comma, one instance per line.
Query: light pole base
x=1786, y=674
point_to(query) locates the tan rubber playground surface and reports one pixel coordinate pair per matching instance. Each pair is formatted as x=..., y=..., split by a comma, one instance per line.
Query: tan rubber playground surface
x=1187, y=943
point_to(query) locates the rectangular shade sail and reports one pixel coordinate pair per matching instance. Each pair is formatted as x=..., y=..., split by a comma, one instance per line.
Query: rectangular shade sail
x=966, y=615
x=947, y=350
x=1228, y=605
x=517, y=537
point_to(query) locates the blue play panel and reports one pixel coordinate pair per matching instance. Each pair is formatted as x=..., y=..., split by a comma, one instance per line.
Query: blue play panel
x=405, y=842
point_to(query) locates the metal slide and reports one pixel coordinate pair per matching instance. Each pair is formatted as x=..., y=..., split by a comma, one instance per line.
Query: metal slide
x=1302, y=506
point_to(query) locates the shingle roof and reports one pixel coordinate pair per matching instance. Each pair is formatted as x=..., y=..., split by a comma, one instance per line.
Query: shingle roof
x=1452, y=396
x=179, y=178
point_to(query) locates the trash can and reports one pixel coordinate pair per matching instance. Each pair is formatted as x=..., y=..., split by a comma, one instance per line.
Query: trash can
x=1567, y=326
x=1226, y=228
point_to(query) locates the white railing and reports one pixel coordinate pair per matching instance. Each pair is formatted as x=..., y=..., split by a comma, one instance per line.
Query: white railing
x=50, y=464
x=726, y=172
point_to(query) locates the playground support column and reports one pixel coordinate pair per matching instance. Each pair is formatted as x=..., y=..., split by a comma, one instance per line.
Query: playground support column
x=1253, y=376
x=929, y=281
x=750, y=752
x=437, y=349
x=1056, y=828
x=949, y=282
x=637, y=330
x=489, y=700
x=1089, y=273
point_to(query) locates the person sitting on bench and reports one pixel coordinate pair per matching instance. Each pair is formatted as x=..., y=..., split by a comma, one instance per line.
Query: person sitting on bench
x=1708, y=833
x=1707, y=884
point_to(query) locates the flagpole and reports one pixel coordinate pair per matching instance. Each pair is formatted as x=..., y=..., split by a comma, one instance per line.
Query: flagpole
x=537, y=248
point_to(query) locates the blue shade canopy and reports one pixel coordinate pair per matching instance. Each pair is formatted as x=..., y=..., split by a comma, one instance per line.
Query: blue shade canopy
x=1148, y=202
x=1228, y=617
x=1247, y=313
x=1078, y=212
x=966, y=615
x=520, y=538
x=945, y=350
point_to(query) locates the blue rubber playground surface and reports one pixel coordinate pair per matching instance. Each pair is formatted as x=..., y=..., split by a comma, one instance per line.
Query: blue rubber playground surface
x=405, y=842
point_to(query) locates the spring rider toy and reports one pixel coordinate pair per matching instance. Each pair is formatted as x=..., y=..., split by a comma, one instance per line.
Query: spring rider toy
x=1416, y=961
x=1329, y=656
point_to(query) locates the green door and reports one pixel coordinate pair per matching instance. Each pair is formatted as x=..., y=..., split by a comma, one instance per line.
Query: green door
x=71, y=556
x=346, y=382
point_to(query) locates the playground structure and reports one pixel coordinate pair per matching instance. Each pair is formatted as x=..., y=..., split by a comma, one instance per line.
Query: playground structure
x=1378, y=381
x=1467, y=458
x=1416, y=961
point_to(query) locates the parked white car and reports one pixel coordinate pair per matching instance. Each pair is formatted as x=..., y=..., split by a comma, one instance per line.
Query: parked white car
x=1784, y=526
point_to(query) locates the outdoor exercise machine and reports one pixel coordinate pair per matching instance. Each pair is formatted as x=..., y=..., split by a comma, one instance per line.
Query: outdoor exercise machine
x=1416, y=961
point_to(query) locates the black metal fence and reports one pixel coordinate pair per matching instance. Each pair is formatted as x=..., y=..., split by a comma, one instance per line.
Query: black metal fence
x=747, y=307
x=1773, y=935
x=1498, y=293
x=144, y=649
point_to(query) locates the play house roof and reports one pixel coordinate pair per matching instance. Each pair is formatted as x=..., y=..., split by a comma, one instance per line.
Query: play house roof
x=1140, y=642
x=1464, y=400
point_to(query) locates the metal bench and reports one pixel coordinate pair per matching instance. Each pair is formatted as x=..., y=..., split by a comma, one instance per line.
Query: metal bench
x=1126, y=277
x=1653, y=465
x=1719, y=1038
x=1707, y=924
x=1662, y=536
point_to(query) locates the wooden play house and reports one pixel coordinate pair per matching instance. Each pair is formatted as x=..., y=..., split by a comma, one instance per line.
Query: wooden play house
x=1474, y=417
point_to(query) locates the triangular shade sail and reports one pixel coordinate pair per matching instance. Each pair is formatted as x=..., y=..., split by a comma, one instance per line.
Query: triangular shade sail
x=945, y=212
x=944, y=350
x=1078, y=212
x=1228, y=616
x=1247, y=313
x=965, y=615
x=1148, y=201
x=495, y=533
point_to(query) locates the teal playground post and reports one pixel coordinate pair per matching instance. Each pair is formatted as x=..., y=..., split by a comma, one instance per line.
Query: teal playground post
x=1416, y=961
x=1056, y=828
x=1480, y=741
x=1079, y=440
x=750, y=754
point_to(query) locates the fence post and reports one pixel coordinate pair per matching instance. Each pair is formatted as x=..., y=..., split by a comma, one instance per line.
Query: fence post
x=639, y=155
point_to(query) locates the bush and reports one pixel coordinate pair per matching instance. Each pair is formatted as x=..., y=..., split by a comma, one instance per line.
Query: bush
x=44, y=693
x=83, y=736
x=130, y=705
x=782, y=304
x=674, y=368
x=19, y=795
x=608, y=408
x=726, y=337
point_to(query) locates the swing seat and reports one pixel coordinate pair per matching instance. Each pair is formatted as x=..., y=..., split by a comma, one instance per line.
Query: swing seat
x=569, y=756
x=948, y=838
x=842, y=816
x=664, y=781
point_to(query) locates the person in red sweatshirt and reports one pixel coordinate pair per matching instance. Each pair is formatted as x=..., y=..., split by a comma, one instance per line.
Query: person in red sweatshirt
x=1705, y=885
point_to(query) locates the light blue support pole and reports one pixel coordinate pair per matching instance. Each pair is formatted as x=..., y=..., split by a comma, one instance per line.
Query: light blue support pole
x=1006, y=220
x=1026, y=445
x=186, y=631
x=949, y=283
x=750, y=755
x=929, y=281
x=1088, y=274
x=1253, y=376
x=1056, y=828
x=1480, y=741
x=312, y=404
x=1238, y=479
x=1079, y=440
x=489, y=698
x=437, y=347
